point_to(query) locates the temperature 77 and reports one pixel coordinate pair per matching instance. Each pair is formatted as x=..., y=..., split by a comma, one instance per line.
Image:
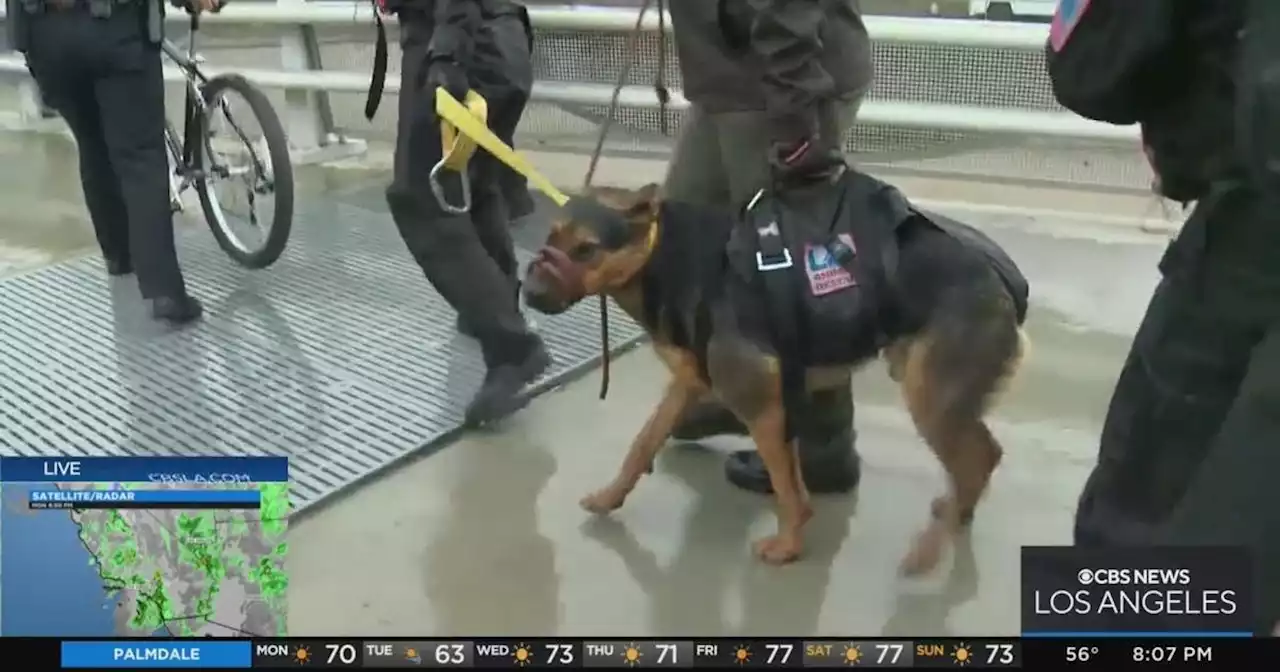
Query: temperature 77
x=778, y=654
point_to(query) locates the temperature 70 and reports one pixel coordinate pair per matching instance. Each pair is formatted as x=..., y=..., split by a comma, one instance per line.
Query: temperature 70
x=1081, y=654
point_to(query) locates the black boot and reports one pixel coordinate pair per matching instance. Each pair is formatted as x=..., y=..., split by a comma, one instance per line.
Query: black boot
x=176, y=311
x=827, y=456
x=502, y=392
x=118, y=266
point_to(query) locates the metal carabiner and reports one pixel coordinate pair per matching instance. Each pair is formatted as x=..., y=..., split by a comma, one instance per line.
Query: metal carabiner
x=438, y=190
x=456, y=149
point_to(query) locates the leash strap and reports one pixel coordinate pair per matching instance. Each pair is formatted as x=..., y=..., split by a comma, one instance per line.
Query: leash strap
x=660, y=80
x=378, y=80
x=624, y=73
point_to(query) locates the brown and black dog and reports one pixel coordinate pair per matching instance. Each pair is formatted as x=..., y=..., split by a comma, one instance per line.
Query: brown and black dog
x=958, y=339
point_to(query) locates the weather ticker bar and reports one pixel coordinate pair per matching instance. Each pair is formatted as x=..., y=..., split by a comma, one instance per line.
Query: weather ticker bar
x=1064, y=651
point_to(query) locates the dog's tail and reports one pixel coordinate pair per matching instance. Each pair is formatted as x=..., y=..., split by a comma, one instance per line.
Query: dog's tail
x=1012, y=366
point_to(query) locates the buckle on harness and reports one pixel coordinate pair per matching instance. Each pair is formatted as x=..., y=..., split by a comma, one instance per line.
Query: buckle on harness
x=773, y=262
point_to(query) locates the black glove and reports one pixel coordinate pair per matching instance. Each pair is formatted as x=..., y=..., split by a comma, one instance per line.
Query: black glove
x=446, y=74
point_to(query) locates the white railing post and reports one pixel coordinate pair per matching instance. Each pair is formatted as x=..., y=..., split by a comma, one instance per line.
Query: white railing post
x=300, y=114
x=306, y=115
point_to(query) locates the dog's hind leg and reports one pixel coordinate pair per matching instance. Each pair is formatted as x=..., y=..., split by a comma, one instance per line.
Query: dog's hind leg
x=950, y=374
x=639, y=459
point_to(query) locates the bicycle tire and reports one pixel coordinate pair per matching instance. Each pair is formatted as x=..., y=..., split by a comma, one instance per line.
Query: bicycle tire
x=282, y=168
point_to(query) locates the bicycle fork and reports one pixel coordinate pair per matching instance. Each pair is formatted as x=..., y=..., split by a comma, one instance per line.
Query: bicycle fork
x=175, y=185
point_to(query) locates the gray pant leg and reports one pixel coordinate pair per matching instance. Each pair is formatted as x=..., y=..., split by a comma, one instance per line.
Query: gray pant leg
x=697, y=173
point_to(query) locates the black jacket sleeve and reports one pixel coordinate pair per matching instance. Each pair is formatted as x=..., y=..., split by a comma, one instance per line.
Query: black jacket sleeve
x=456, y=25
x=786, y=36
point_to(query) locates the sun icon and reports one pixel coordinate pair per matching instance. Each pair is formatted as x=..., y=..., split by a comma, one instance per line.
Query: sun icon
x=302, y=656
x=523, y=655
x=852, y=654
x=742, y=655
x=962, y=654
x=631, y=655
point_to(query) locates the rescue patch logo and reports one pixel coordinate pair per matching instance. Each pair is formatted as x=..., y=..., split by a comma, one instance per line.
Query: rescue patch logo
x=826, y=275
x=1065, y=21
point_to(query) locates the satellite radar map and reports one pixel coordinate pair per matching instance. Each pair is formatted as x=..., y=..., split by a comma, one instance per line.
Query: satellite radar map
x=138, y=547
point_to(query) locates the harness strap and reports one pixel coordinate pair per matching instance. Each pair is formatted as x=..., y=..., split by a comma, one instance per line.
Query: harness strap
x=775, y=266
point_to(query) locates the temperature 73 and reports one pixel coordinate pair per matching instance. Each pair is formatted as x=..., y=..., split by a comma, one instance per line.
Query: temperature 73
x=1081, y=654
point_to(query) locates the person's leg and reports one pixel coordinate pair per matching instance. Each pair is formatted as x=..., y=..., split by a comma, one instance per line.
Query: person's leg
x=1188, y=449
x=130, y=93
x=490, y=210
x=506, y=82
x=1232, y=500
x=71, y=92
x=449, y=251
x=1185, y=368
x=503, y=74
x=825, y=423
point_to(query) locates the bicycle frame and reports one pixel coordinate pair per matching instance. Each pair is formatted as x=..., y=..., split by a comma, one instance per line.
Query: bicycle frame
x=195, y=107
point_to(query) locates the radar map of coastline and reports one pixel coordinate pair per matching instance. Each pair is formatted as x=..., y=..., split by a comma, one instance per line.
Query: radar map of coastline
x=160, y=556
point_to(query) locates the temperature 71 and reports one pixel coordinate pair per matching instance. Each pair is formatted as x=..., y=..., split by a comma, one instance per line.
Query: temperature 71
x=1081, y=654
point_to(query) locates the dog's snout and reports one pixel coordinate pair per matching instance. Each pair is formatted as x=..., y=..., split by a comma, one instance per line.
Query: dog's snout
x=539, y=296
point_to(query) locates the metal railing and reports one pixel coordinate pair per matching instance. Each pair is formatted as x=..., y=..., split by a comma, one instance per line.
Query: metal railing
x=947, y=91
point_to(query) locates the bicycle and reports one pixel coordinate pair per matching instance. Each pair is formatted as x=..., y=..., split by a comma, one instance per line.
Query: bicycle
x=195, y=162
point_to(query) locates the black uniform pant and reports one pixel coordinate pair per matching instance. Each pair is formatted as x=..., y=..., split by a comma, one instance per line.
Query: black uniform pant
x=104, y=76
x=1190, y=450
x=469, y=258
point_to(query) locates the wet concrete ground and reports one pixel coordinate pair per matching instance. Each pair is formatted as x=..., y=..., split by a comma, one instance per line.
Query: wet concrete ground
x=485, y=537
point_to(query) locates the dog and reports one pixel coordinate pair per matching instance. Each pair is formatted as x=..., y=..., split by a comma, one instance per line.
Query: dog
x=957, y=340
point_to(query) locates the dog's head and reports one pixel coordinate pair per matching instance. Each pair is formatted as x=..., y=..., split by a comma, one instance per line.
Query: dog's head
x=598, y=242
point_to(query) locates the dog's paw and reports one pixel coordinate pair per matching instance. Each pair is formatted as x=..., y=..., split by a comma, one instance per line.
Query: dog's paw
x=779, y=549
x=926, y=551
x=942, y=506
x=603, y=501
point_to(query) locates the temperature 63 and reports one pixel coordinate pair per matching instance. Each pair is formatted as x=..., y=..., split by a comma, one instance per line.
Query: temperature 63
x=1081, y=654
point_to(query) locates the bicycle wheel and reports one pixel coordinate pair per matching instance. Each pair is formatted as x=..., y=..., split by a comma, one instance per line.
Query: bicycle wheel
x=267, y=173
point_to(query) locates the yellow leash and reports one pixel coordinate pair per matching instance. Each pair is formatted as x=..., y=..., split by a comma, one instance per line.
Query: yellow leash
x=462, y=129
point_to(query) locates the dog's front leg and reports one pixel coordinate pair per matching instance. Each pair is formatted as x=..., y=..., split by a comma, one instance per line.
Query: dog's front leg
x=644, y=448
x=749, y=381
x=768, y=430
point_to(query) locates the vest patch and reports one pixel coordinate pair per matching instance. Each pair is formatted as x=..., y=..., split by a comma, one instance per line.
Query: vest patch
x=825, y=273
x=1064, y=21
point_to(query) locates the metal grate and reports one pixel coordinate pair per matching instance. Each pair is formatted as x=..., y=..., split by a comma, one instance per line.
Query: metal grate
x=340, y=356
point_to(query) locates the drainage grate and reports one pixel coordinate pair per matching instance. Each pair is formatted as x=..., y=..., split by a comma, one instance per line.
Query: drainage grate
x=339, y=356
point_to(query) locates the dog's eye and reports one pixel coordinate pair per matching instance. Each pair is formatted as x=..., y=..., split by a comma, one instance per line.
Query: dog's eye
x=583, y=251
